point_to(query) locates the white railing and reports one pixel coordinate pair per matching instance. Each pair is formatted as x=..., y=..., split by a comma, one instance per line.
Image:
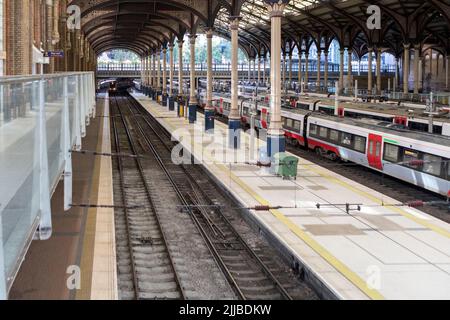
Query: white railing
x=42, y=118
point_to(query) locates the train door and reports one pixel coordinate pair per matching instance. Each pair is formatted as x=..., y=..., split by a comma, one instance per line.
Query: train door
x=305, y=129
x=401, y=120
x=374, y=151
x=264, y=118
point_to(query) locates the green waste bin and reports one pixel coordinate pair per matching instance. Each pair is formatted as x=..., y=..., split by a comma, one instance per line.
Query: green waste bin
x=286, y=165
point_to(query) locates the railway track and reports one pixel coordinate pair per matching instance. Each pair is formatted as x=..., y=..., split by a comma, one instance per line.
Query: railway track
x=146, y=267
x=399, y=190
x=251, y=270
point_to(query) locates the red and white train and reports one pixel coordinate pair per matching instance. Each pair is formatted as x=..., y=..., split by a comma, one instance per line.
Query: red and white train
x=416, y=157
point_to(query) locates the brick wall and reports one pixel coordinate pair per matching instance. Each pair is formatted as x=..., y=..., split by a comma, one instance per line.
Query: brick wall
x=18, y=37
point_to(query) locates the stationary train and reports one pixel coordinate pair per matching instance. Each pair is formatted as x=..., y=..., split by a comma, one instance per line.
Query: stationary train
x=413, y=118
x=416, y=157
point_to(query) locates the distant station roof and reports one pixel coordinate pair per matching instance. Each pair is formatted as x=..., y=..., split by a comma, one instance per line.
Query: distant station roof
x=144, y=26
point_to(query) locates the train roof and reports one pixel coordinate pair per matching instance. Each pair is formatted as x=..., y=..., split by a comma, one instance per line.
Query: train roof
x=415, y=135
x=388, y=109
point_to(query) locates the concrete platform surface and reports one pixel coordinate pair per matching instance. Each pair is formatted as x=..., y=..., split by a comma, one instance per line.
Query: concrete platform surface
x=79, y=261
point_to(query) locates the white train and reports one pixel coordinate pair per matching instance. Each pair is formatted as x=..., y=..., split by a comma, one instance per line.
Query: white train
x=416, y=157
x=408, y=117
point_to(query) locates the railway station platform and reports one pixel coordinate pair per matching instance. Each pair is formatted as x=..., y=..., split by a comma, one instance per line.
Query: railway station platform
x=350, y=241
x=79, y=260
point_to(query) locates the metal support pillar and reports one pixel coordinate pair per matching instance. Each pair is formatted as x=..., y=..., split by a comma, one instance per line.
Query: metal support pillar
x=319, y=53
x=209, y=109
x=164, y=78
x=234, y=121
x=299, y=71
x=406, y=68
x=341, y=69
x=349, y=68
x=325, y=80
x=306, y=70
x=275, y=136
x=369, y=71
x=171, y=66
x=181, y=103
x=416, y=68
x=192, y=97
x=379, y=71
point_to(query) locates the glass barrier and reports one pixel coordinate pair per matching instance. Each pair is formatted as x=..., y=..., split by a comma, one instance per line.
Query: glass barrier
x=42, y=118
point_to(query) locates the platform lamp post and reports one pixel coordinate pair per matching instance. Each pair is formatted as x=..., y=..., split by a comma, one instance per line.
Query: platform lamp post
x=276, y=142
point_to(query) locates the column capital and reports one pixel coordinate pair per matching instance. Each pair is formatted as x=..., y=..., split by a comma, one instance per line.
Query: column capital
x=370, y=49
x=234, y=22
x=209, y=33
x=180, y=43
x=192, y=38
x=276, y=7
x=406, y=46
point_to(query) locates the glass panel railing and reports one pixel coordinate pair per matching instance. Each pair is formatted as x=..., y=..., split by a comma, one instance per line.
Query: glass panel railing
x=38, y=128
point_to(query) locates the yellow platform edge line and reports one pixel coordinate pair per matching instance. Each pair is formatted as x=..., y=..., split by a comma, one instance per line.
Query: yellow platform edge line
x=313, y=244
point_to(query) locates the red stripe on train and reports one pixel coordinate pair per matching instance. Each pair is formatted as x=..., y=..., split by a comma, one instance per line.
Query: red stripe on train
x=314, y=143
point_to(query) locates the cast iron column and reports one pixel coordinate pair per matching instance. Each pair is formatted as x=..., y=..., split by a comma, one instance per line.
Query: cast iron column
x=379, y=71
x=416, y=68
x=192, y=97
x=319, y=54
x=164, y=77
x=209, y=109
x=171, y=66
x=275, y=135
x=369, y=71
x=406, y=69
x=234, y=120
x=341, y=70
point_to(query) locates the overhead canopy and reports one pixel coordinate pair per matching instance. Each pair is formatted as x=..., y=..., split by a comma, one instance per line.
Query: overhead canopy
x=146, y=25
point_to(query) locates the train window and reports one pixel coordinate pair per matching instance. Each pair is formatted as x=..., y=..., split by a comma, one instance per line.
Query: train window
x=391, y=152
x=448, y=170
x=360, y=144
x=283, y=121
x=297, y=125
x=323, y=132
x=409, y=156
x=432, y=164
x=378, y=149
x=334, y=135
x=289, y=123
x=303, y=106
x=346, y=139
x=313, y=129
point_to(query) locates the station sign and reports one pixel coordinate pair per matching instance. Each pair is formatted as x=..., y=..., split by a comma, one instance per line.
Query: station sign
x=54, y=54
